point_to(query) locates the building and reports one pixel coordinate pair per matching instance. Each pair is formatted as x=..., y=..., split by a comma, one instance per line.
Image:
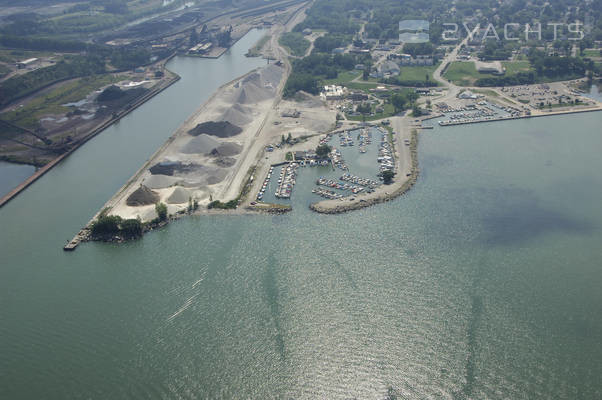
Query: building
x=27, y=63
x=338, y=50
x=494, y=67
x=388, y=69
x=332, y=92
x=200, y=48
x=307, y=31
x=467, y=94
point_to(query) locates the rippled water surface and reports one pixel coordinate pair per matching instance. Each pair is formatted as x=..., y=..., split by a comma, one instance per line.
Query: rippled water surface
x=481, y=282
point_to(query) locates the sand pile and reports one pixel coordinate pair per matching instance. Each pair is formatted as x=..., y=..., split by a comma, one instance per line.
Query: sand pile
x=200, y=145
x=237, y=115
x=226, y=149
x=219, y=129
x=160, y=181
x=179, y=196
x=142, y=196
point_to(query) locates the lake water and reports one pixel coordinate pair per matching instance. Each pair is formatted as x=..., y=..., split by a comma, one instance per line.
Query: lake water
x=483, y=281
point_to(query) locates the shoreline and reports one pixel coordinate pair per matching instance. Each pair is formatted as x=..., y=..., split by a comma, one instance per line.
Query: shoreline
x=94, y=132
x=548, y=114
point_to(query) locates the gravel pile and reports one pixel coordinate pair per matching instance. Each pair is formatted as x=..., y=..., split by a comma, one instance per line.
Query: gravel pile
x=237, y=115
x=226, y=149
x=160, y=181
x=179, y=196
x=143, y=196
x=220, y=129
x=200, y=145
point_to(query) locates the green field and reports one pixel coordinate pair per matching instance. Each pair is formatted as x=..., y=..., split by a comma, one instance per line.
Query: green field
x=13, y=56
x=51, y=103
x=465, y=73
x=295, y=43
x=343, y=78
x=592, y=53
x=4, y=70
x=418, y=73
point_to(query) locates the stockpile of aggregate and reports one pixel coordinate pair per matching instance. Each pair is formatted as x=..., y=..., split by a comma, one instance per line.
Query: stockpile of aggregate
x=143, y=196
x=220, y=129
x=201, y=144
x=226, y=149
x=160, y=181
x=224, y=162
x=179, y=196
x=237, y=115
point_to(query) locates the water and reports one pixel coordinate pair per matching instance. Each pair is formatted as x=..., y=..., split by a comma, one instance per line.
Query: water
x=483, y=281
x=11, y=175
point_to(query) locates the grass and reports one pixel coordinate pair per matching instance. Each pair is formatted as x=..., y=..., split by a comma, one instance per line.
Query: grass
x=296, y=44
x=417, y=73
x=465, y=73
x=342, y=78
x=13, y=56
x=255, y=50
x=51, y=103
x=4, y=70
x=389, y=111
x=592, y=53
x=487, y=92
x=365, y=87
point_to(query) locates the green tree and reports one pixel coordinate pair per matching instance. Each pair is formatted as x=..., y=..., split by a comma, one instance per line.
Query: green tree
x=399, y=102
x=131, y=227
x=161, y=210
x=388, y=176
x=106, y=225
x=323, y=150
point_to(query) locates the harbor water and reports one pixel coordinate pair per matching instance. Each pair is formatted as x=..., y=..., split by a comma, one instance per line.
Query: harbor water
x=483, y=281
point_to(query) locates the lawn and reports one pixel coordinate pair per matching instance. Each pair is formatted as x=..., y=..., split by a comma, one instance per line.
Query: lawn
x=592, y=53
x=465, y=73
x=296, y=44
x=417, y=73
x=255, y=50
x=342, y=78
x=389, y=111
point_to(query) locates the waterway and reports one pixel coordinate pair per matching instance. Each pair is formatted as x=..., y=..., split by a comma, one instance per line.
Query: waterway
x=483, y=281
x=11, y=175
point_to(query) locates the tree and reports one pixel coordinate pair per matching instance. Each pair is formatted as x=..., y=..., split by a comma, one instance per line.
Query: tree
x=131, y=227
x=323, y=150
x=417, y=111
x=388, y=176
x=161, y=210
x=399, y=102
x=106, y=225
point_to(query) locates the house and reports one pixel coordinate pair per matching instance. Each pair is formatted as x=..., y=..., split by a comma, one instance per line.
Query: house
x=332, y=92
x=306, y=31
x=338, y=50
x=389, y=68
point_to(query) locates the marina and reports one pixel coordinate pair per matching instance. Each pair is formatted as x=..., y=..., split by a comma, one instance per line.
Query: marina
x=366, y=161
